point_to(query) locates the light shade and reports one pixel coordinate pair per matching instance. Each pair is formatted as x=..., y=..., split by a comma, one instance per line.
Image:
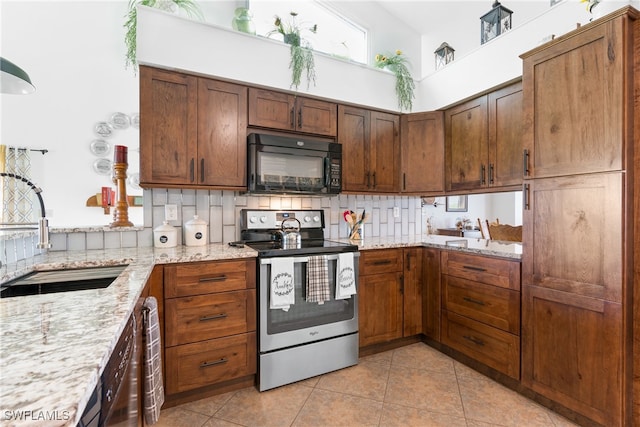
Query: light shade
x=14, y=79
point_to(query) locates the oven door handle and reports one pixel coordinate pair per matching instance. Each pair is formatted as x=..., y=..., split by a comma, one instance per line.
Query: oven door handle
x=331, y=257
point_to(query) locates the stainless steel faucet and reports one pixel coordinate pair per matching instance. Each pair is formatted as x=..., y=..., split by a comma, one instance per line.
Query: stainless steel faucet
x=43, y=222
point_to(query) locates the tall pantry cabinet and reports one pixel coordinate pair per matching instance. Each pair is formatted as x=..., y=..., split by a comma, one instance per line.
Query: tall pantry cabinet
x=581, y=95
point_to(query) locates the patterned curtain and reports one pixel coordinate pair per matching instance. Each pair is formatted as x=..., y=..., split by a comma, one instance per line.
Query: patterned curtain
x=15, y=195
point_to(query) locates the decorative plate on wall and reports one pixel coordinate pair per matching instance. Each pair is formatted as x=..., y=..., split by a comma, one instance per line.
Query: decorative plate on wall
x=100, y=147
x=119, y=121
x=102, y=166
x=103, y=129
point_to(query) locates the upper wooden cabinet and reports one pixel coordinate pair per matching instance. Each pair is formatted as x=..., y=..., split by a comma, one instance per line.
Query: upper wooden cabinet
x=370, y=150
x=483, y=141
x=192, y=131
x=277, y=110
x=422, y=136
x=576, y=96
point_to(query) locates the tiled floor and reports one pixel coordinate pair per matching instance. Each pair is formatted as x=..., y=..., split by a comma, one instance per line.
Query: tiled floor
x=410, y=386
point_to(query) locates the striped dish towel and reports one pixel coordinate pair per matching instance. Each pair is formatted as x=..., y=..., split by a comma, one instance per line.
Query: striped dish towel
x=153, y=389
x=318, y=279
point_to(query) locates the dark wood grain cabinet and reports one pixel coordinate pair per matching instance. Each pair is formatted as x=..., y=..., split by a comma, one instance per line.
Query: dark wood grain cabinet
x=278, y=110
x=422, y=147
x=192, y=131
x=581, y=115
x=370, y=150
x=483, y=141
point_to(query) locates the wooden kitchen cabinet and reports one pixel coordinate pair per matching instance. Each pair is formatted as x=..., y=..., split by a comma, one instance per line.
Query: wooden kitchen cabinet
x=412, y=291
x=422, y=147
x=192, y=131
x=481, y=309
x=370, y=150
x=277, y=110
x=431, y=293
x=210, y=324
x=483, y=141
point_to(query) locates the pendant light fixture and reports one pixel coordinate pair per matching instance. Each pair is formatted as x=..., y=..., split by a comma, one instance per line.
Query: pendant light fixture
x=14, y=79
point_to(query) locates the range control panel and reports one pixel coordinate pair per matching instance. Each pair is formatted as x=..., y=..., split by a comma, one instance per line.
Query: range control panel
x=271, y=219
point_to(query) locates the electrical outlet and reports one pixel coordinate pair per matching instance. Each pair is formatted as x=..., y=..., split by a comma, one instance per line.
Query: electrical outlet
x=396, y=212
x=170, y=213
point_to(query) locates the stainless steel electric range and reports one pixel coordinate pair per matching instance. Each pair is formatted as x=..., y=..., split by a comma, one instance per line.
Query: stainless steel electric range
x=301, y=339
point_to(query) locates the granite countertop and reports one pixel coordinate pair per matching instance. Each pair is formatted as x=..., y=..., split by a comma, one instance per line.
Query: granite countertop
x=55, y=346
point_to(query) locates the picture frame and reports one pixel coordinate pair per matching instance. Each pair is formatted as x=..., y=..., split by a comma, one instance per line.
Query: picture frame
x=457, y=203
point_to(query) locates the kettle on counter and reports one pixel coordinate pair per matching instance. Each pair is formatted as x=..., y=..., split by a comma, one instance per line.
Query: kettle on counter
x=290, y=235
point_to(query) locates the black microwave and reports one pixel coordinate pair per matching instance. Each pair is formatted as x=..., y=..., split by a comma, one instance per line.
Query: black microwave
x=282, y=164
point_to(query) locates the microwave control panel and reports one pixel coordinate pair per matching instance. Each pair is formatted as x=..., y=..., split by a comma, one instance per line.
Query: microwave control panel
x=335, y=175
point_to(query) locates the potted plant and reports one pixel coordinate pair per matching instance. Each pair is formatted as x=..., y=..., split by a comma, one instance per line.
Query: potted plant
x=189, y=6
x=404, y=82
x=301, y=51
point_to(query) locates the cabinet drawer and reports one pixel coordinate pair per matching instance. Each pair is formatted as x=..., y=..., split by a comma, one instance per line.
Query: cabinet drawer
x=492, y=271
x=203, y=317
x=495, y=348
x=380, y=261
x=492, y=305
x=208, y=277
x=201, y=364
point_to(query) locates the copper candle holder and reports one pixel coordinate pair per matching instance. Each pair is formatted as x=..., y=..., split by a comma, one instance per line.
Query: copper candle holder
x=121, y=212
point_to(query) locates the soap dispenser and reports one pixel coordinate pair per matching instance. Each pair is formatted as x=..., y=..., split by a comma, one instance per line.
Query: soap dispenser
x=195, y=232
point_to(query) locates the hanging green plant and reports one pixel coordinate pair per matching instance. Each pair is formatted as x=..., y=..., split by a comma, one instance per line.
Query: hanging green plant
x=404, y=82
x=300, y=49
x=131, y=23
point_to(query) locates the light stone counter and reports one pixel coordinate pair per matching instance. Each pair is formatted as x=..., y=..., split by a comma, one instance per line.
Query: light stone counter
x=495, y=248
x=53, y=347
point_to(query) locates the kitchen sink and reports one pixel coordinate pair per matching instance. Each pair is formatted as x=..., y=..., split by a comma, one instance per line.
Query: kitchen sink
x=67, y=280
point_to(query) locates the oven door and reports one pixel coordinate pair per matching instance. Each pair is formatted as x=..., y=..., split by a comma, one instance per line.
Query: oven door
x=305, y=322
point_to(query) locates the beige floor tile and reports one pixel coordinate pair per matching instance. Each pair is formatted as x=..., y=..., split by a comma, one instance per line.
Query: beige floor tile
x=403, y=416
x=421, y=356
x=367, y=379
x=215, y=422
x=277, y=407
x=384, y=358
x=180, y=417
x=327, y=408
x=209, y=405
x=487, y=401
x=559, y=420
x=418, y=388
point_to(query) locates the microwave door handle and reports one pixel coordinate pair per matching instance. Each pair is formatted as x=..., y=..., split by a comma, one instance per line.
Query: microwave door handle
x=327, y=171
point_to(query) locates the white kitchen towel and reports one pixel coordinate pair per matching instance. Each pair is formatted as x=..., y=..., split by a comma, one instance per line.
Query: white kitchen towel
x=153, y=389
x=345, y=276
x=281, y=284
x=318, y=279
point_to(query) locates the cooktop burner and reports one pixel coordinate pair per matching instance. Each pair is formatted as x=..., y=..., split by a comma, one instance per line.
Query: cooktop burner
x=308, y=246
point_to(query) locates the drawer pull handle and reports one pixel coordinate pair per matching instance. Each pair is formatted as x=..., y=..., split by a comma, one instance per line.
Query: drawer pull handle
x=213, y=317
x=213, y=279
x=473, y=340
x=470, y=267
x=382, y=262
x=213, y=363
x=474, y=301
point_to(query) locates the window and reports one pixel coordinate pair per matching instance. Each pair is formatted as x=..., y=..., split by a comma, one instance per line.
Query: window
x=336, y=34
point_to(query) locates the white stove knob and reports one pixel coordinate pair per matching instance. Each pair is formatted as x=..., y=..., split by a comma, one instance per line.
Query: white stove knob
x=316, y=218
x=307, y=218
x=263, y=219
x=253, y=220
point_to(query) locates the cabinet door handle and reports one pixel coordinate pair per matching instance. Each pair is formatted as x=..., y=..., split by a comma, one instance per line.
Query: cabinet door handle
x=474, y=301
x=402, y=285
x=213, y=363
x=408, y=261
x=490, y=173
x=368, y=177
x=471, y=267
x=213, y=279
x=382, y=262
x=474, y=340
x=525, y=195
x=525, y=160
x=374, y=180
x=192, y=172
x=299, y=118
x=202, y=170
x=292, y=116
x=483, y=181
x=404, y=181
x=213, y=317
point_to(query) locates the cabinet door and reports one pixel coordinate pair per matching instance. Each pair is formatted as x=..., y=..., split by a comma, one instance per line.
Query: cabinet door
x=270, y=109
x=168, y=132
x=380, y=308
x=572, y=352
x=385, y=152
x=412, y=290
x=580, y=84
x=222, y=139
x=466, y=145
x=319, y=117
x=573, y=232
x=422, y=136
x=431, y=293
x=353, y=133
x=505, y=137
